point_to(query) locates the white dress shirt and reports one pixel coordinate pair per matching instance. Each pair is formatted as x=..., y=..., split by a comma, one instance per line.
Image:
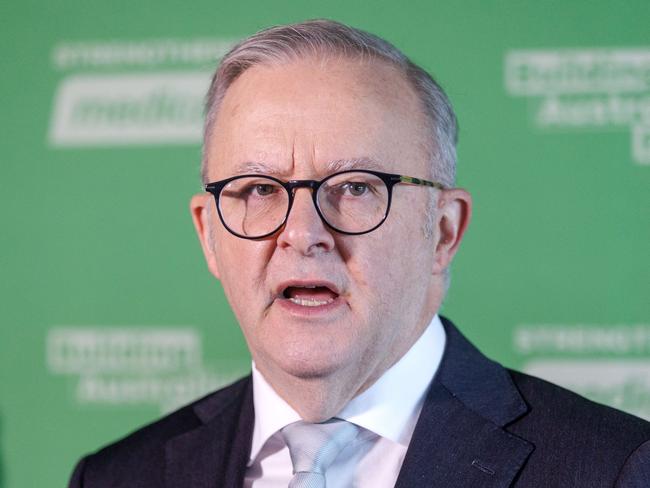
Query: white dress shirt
x=386, y=412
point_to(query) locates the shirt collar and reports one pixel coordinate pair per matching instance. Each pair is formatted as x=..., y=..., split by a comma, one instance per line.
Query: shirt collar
x=389, y=408
x=272, y=413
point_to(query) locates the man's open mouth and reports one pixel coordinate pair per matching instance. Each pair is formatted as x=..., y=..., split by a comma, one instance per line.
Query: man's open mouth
x=309, y=294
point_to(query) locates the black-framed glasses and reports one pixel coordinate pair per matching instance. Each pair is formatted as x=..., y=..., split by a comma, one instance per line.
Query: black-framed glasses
x=350, y=202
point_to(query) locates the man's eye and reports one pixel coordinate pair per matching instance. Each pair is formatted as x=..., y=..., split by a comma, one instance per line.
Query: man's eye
x=356, y=189
x=264, y=190
x=258, y=190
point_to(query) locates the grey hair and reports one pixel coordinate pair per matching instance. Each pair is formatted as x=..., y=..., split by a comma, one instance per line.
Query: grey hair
x=323, y=38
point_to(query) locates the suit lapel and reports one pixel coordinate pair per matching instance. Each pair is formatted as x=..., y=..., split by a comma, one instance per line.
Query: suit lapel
x=459, y=439
x=214, y=454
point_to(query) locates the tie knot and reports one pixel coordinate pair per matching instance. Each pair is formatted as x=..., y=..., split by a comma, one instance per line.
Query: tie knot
x=313, y=447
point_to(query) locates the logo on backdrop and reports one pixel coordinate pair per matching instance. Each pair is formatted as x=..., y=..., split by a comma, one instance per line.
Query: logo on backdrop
x=608, y=364
x=132, y=92
x=135, y=365
x=593, y=89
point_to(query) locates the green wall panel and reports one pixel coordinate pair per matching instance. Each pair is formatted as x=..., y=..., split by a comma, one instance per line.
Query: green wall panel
x=109, y=317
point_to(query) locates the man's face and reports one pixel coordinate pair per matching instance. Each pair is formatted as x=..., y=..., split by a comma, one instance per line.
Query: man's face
x=298, y=121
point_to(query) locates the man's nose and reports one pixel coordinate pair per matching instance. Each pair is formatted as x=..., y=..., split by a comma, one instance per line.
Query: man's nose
x=304, y=230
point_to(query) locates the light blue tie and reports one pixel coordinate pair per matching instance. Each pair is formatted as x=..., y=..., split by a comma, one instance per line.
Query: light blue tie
x=313, y=448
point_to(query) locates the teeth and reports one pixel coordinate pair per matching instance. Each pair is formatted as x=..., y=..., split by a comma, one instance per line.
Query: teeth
x=310, y=302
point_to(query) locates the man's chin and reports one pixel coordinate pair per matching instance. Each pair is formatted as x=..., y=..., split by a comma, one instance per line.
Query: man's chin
x=310, y=369
x=309, y=366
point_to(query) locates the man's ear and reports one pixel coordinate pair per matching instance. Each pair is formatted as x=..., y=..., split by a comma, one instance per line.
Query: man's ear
x=201, y=213
x=453, y=213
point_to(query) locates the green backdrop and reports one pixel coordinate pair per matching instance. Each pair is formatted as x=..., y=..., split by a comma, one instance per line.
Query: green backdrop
x=108, y=315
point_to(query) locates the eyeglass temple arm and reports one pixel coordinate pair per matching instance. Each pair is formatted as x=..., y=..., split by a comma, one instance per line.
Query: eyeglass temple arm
x=417, y=181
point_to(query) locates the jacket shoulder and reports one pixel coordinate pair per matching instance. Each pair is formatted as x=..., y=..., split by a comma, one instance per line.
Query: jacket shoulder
x=576, y=435
x=141, y=454
x=553, y=403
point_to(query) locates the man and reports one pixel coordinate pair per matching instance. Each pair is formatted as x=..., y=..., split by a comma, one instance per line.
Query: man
x=331, y=219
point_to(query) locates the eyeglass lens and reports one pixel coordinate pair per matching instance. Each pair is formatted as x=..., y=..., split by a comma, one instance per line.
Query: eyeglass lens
x=254, y=206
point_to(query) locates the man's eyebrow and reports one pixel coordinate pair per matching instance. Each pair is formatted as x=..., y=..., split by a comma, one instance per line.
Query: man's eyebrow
x=353, y=163
x=256, y=167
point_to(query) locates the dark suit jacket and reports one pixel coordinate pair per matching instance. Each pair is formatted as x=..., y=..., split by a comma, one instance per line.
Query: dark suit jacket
x=481, y=426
